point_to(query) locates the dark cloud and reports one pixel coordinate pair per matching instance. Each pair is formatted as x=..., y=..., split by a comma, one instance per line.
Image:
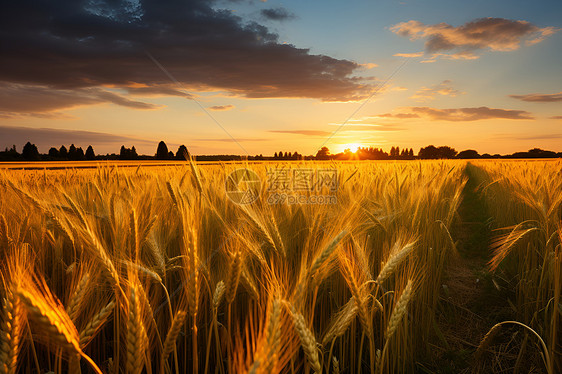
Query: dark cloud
x=79, y=44
x=221, y=107
x=303, y=132
x=556, y=117
x=157, y=91
x=539, y=98
x=457, y=114
x=277, y=14
x=496, y=34
x=18, y=100
x=45, y=138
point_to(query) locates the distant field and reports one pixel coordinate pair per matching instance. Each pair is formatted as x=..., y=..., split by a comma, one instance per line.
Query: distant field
x=286, y=267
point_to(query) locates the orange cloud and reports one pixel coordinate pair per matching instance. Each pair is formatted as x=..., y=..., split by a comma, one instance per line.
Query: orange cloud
x=457, y=114
x=417, y=54
x=539, y=98
x=430, y=93
x=303, y=132
x=221, y=107
x=496, y=34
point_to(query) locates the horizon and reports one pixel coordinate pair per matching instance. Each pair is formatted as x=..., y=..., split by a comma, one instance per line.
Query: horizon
x=226, y=77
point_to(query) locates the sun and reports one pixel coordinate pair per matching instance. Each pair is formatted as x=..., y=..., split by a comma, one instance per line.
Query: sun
x=352, y=147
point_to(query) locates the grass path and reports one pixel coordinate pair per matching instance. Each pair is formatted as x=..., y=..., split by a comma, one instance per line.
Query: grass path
x=472, y=299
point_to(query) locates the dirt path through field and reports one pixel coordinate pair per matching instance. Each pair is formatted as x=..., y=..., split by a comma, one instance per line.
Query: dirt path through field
x=471, y=300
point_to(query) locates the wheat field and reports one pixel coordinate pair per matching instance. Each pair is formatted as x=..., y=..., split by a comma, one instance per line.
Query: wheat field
x=154, y=270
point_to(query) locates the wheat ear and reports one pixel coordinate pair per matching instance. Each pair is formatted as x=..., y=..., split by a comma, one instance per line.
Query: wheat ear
x=10, y=334
x=349, y=276
x=218, y=294
x=336, y=365
x=399, y=310
x=135, y=344
x=394, y=260
x=487, y=340
x=52, y=321
x=233, y=277
x=96, y=323
x=74, y=305
x=308, y=342
x=172, y=336
x=341, y=321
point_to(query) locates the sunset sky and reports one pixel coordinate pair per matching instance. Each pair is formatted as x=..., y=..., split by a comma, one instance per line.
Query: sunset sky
x=281, y=75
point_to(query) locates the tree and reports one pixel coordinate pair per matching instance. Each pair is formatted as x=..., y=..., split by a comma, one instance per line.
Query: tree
x=79, y=154
x=433, y=152
x=72, y=152
x=447, y=152
x=30, y=152
x=182, y=153
x=128, y=153
x=90, y=155
x=162, y=151
x=469, y=153
x=411, y=153
x=53, y=152
x=275, y=155
x=428, y=152
x=323, y=154
x=63, y=153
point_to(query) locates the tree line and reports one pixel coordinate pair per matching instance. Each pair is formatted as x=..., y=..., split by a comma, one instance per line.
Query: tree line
x=30, y=152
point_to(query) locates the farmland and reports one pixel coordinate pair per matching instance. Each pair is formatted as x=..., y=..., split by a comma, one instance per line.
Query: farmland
x=431, y=266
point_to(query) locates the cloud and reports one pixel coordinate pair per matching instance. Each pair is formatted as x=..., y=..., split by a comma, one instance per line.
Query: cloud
x=555, y=117
x=303, y=132
x=103, y=43
x=375, y=127
x=529, y=137
x=416, y=54
x=277, y=14
x=457, y=114
x=221, y=107
x=496, y=34
x=369, y=65
x=539, y=98
x=45, y=138
x=163, y=90
x=17, y=100
x=430, y=93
